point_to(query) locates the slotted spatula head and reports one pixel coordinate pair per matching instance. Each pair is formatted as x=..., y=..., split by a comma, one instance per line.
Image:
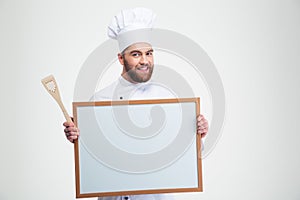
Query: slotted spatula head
x=51, y=86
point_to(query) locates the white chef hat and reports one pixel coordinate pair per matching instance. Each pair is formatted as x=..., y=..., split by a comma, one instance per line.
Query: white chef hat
x=131, y=26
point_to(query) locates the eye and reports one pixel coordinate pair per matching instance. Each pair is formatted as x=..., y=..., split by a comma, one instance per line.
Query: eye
x=136, y=54
x=150, y=53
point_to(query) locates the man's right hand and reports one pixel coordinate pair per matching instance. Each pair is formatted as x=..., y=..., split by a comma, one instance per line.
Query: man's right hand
x=71, y=131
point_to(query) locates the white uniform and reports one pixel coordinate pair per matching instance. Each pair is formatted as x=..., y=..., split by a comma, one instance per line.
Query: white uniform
x=140, y=197
x=124, y=90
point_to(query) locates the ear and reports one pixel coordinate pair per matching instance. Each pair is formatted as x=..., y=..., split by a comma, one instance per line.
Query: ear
x=121, y=59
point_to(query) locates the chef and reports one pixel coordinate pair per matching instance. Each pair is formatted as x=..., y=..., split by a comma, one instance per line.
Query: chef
x=132, y=28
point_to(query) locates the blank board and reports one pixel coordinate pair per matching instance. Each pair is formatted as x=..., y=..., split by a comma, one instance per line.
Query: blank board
x=137, y=147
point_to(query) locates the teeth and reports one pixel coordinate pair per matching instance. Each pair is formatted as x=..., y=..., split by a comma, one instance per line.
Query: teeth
x=142, y=68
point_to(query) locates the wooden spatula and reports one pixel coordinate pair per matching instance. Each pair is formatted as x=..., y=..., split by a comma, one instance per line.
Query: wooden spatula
x=52, y=87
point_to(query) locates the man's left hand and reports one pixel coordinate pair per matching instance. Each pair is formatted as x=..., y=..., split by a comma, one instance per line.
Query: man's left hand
x=202, y=126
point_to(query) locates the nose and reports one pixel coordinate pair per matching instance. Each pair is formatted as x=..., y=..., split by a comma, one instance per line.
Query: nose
x=144, y=60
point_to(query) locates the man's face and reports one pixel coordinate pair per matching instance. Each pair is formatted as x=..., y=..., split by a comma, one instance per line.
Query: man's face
x=137, y=61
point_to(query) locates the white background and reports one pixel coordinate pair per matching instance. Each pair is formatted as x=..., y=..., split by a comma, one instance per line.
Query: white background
x=255, y=46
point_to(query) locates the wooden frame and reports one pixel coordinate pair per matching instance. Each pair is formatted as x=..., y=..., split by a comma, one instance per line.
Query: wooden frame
x=126, y=169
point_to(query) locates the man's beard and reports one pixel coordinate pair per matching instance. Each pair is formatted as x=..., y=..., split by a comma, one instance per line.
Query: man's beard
x=138, y=77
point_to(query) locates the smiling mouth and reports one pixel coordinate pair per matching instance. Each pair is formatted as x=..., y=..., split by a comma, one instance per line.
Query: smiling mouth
x=143, y=68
